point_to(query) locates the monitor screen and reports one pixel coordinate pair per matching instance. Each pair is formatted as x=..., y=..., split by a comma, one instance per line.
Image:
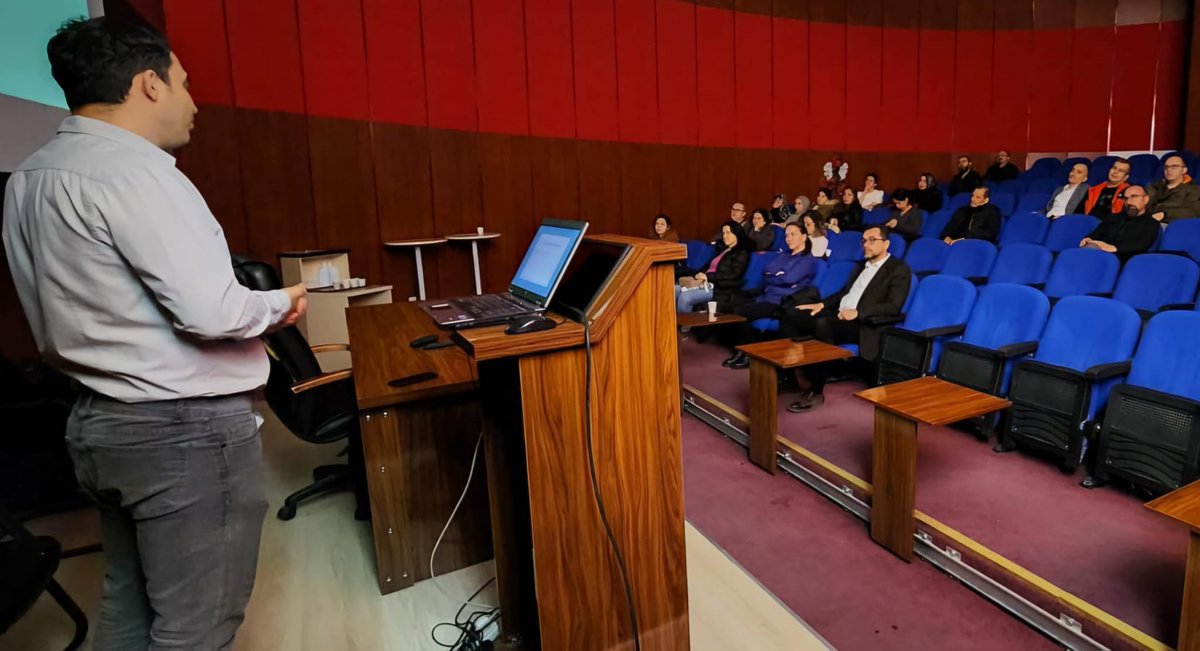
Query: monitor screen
x=588, y=273
x=552, y=247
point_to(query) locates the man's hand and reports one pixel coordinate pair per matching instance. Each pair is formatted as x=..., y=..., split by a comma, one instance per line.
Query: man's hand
x=1104, y=246
x=702, y=277
x=1158, y=216
x=891, y=223
x=298, y=295
x=949, y=240
x=847, y=315
x=813, y=308
x=1084, y=242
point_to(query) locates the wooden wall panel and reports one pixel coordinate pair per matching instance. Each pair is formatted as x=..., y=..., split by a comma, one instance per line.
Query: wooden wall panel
x=755, y=180
x=276, y=182
x=554, y=165
x=600, y=185
x=508, y=207
x=678, y=188
x=343, y=186
x=716, y=182
x=641, y=193
x=457, y=205
x=210, y=160
x=404, y=195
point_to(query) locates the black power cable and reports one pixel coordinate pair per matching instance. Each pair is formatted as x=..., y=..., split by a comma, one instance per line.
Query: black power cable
x=612, y=541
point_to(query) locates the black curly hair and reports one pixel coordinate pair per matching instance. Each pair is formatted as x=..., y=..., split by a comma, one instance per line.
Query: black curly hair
x=95, y=60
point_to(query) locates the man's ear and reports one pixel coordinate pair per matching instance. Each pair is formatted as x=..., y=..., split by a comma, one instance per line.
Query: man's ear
x=149, y=84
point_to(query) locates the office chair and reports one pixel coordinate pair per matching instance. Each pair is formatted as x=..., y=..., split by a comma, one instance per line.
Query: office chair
x=27, y=566
x=317, y=407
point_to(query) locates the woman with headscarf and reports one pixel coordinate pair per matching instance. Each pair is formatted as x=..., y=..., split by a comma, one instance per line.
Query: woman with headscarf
x=927, y=196
x=722, y=279
x=799, y=207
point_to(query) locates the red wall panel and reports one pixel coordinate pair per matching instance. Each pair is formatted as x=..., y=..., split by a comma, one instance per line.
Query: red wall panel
x=197, y=33
x=1050, y=90
x=935, y=90
x=1168, y=109
x=594, y=34
x=864, y=65
x=266, y=62
x=972, y=89
x=898, y=128
x=449, y=64
x=715, y=77
x=789, y=69
x=395, y=61
x=675, y=28
x=827, y=72
x=1091, y=87
x=500, y=66
x=334, y=58
x=1133, y=93
x=551, y=73
x=1009, y=122
x=637, y=77
x=752, y=79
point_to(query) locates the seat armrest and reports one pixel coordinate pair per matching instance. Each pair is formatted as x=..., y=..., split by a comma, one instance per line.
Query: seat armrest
x=883, y=319
x=321, y=380
x=1106, y=371
x=1013, y=350
x=329, y=348
x=943, y=331
x=1052, y=370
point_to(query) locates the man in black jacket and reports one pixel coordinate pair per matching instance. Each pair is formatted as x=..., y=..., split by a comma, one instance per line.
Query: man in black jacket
x=1134, y=233
x=967, y=179
x=878, y=288
x=978, y=221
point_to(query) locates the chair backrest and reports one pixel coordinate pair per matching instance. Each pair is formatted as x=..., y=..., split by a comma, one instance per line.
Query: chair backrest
x=1004, y=202
x=1098, y=171
x=1042, y=168
x=926, y=254
x=969, y=258
x=1007, y=314
x=1021, y=263
x=1033, y=202
x=1189, y=158
x=847, y=246
x=1182, y=236
x=936, y=222
x=1025, y=227
x=1076, y=272
x=1063, y=170
x=1015, y=187
x=877, y=215
x=754, y=279
x=957, y=201
x=1084, y=331
x=1168, y=356
x=699, y=253
x=822, y=267
x=1066, y=231
x=897, y=245
x=1152, y=280
x=780, y=240
x=940, y=301
x=835, y=277
x=1045, y=185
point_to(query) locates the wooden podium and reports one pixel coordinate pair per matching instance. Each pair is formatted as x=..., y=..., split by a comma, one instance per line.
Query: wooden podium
x=559, y=583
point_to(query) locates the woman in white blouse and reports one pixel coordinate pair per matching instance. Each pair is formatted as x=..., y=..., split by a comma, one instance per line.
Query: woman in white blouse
x=870, y=196
x=814, y=227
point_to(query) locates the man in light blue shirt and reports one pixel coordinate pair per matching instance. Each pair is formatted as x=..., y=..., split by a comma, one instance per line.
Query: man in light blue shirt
x=125, y=277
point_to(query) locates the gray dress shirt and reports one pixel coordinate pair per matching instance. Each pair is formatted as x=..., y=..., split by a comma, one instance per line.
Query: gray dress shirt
x=124, y=273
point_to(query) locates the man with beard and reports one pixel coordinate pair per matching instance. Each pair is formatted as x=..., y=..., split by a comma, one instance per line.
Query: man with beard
x=967, y=179
x=1133, y=233
x=978, y=221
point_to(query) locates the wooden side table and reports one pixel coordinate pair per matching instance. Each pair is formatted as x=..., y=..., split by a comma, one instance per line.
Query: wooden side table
x=695, y=320
x=765, y=357
x=898, y=409
x=415, y=245
x=1183, y=506
x=474, y=239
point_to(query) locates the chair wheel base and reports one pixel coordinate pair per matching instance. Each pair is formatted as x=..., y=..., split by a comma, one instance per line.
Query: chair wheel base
x=1090, y=482
x=1002, y=448
x=286, y=512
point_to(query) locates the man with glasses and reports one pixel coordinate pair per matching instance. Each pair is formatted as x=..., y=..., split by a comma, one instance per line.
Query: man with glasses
x=1174, y=196
x=877, y=288
x=1130, y=235
x=737, y=212
x=1104, y=199
x=978, y=221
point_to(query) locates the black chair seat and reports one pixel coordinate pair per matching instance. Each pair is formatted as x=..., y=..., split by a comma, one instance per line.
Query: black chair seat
x=26, y=568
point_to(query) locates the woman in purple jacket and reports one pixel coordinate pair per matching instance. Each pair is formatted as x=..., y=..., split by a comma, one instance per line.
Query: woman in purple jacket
x=789, y=272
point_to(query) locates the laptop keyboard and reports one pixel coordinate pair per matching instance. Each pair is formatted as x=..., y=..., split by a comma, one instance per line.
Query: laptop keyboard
x=487, y=305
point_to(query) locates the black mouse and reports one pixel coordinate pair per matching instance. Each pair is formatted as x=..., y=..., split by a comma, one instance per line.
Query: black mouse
x=423, y=341
x=529, y=324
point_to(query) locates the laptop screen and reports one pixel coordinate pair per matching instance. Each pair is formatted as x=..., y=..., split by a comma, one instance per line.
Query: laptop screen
x=553, y=245
x=589, y=272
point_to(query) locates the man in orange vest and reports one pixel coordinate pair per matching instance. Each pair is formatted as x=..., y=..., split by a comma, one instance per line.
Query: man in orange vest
x=1104, y=199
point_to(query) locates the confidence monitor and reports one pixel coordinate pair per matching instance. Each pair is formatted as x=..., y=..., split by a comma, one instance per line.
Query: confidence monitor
x=589, y=273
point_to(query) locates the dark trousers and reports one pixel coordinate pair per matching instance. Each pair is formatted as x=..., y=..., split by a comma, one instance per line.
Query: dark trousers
x=752, y=311
x=179, y=486
x=826, y=327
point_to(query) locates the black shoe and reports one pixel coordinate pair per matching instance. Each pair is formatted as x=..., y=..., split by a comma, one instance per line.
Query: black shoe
x=807, y=402
x=741, y=362
x=1002, y=447
x=735, y=357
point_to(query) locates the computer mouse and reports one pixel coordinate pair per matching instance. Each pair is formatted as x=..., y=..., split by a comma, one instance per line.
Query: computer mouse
x=530, y=324
x=423, y=341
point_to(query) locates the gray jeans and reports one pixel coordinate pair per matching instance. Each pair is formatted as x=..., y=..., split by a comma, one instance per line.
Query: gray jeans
x=179, y=485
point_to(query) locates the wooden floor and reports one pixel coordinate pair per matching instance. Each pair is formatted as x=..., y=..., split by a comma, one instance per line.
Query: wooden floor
x=316, y=588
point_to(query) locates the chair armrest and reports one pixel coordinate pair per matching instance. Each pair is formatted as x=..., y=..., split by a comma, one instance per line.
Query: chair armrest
x=1052, y=370
x=943, y=331
x=883, y=319
x=1013, y=350
x=1106, y=371
x=321, y=380
x=329, y=348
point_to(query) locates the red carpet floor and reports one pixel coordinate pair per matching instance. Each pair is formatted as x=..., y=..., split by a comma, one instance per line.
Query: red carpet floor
x=1100, y=545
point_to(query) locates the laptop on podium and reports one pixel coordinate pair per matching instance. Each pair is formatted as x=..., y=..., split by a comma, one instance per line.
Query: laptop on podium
x=531, y=289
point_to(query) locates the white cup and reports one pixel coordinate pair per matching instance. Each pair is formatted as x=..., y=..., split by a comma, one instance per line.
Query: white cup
x=712, y=310
x=479, y=230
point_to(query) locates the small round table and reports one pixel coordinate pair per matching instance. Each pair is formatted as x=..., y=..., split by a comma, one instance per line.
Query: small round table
x=474, y=238
x=415, y=245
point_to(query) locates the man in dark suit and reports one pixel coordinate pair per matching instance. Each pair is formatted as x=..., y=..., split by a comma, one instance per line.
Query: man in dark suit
x=966, y=179
x=878, y=288
x=978, y=221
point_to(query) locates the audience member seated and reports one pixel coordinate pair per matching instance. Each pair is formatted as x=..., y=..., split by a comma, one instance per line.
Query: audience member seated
x=1069, y=198
x=1133, y=233
x=789, y=280
x=815, y=228
x=978, y=221
x=761, y=232
x=662, y=229
x=967, y=179
x=737, y=214
x=877, y=288
x=1174, y=196
x=927, y=196
x=847, y=215
x=781, y=210
x=1003, y=169
x=870, y=196
x=799, y=207
x=1104, y=199
x=826, y=203
x=724, y=276
x=907, y=219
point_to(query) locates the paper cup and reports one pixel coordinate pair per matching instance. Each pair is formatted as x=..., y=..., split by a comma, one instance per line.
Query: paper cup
x=712, y=310
x=479, y=230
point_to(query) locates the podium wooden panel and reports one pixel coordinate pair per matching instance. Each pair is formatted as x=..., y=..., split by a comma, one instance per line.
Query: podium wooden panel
x=559, y=583
x=1183, y=506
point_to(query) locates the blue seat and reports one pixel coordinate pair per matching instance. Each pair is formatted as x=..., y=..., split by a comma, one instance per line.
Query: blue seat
x=1067, y=231
x=897, y=245
x=835, y=278
x=699, y=254
x=1182, y=237
x=1063, y=170
x=939, y=311
x=1077, y=272
x=1098, y=171
x=1004, y=202
x=926, y=255
x=1021, y=263
x=1033, y=202
x=957, y=201
x=1046, y=185
x=1006, y=324
x=970, y=259
x=1015, y=187
x=754, y=278
x=1081, y=356
x=935, y=223
x=1189, y=158
x=1145, y=166
x=847, y=246
x=877, y=215
x=780, y=241
x=1152, y=281
x=1042, y=168
x=1151, y=428
x=1024, y=227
